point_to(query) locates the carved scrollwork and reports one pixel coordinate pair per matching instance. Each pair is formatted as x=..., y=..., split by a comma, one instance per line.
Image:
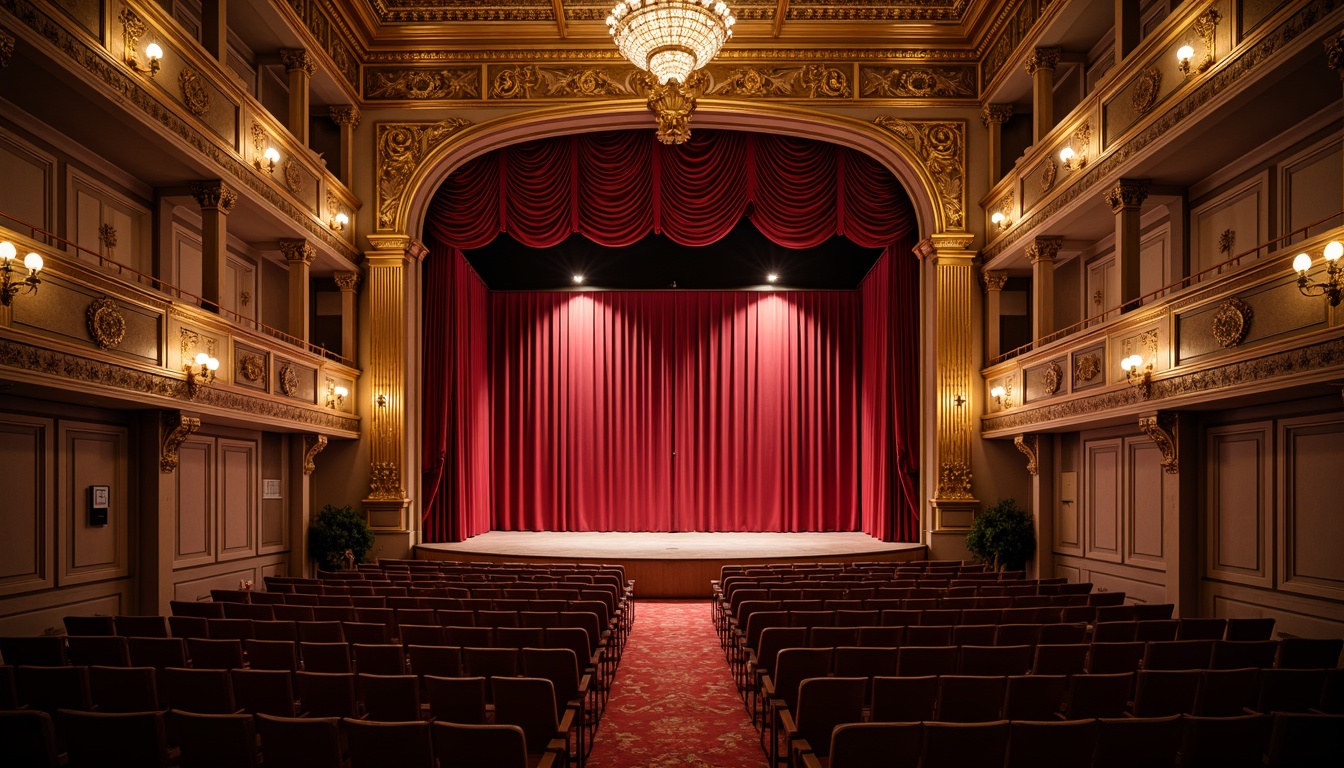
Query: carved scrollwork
x=106, y=325
x=941, y=146
x=176, y=428
x=806, y=81
x=195, y=96
x=1232, y=322
x=252, y=367
x=312, y=445
x=293, y=177
x=1147, y=87
x=423, y=84
x=1051, y=378
x=385, y=481
x=1162, y=430
x=6, y=48
x=673, y=104
x=346, y=281
x=1049, y=172
x=954, y=481
x=922, y=83
x=289, y=380
x=401, y=149
x=1029, y=445
x=1086, y=367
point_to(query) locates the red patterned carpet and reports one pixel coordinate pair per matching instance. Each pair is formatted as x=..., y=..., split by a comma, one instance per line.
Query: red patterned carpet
x=673, y=703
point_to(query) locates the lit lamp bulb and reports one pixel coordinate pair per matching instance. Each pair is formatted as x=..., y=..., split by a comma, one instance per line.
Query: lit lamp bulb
x=8, y=251
x=154, y=53
x=34, y=262
x=1301, y=263
x=212, y=364
x=272, y=156
x=772, y=277
x=1069, y=158
x=341, y=392
x=997, y=392
x=1333, y=250
x=1183, y=55
x=998, y=219
x=340, y=220
x=578, y=279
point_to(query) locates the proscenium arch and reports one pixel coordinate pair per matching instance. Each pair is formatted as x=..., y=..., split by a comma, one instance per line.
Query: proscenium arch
x=478, y=139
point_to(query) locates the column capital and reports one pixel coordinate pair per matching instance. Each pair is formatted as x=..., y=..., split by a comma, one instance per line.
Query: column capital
x=395, y=246
x=1044, y=249
x=997, y=114
x=346, y=281
x=1043, y=58
x=214, y=195
x=298, y=59
x=346, y=115
x=1334, y=53
x=946, y=245
x=1127, y=194
x=994, y=279
x=298, y=251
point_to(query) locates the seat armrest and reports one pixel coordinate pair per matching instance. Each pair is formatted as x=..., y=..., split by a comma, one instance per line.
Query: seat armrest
x=810, y=760
x=786, y=724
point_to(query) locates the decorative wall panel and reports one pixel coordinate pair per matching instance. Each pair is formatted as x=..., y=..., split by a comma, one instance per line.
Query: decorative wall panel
x=26, y=548
x=1240, y=482
x=195, y=530
x=1311, y=526
x=93, y=454
x=1102, y=500
x=238, y=492
x=1144, y=509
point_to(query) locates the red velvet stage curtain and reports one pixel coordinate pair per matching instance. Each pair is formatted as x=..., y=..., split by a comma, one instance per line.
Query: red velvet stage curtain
x=615, y=188
x=457, y=399
x=686, y=411
x=889, y=451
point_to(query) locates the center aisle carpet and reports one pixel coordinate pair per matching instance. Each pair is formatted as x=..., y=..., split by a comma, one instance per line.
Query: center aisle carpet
x=674, y=702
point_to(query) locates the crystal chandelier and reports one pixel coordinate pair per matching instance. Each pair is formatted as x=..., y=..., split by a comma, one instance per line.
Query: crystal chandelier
x=670, y=38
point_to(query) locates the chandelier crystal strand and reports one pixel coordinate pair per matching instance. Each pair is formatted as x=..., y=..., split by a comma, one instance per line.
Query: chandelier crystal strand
x=670, y=39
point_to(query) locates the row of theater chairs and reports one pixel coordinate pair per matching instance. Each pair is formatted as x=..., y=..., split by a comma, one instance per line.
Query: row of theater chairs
x=297, y=593
x=903, y=589
x=141, y=740
x=1248, y=741
x=509, y=599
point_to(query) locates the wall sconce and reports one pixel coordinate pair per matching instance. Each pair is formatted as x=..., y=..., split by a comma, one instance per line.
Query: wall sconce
x=1072, y=160
x=153, y=54
x=999, y=220
x=1002, y=396
x=132, y=28
x=9, y=285
x=200, y=372
x=271, y=156
x=335, y=395
x=1138, y=373
x=1332, y=288
x=1206, y=26
x=339, y=221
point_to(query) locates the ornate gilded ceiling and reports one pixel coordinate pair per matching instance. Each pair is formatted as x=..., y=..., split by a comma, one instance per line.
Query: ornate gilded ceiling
x=421, y=11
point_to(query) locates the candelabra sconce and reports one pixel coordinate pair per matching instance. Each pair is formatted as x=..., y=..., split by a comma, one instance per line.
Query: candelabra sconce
x=153, y=54
x=200, y=372
x=1206, y=26
x=1003, y=396
x=1071, y=160
x=1332, y=288
x=335, y=395
x=11, y=283
x=1138, y=373
x=339, y=221
x=266, y=163
x=132, y=29
x=999, y=220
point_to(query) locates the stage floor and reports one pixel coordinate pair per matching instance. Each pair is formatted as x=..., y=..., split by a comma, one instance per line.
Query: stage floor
x=670, y=564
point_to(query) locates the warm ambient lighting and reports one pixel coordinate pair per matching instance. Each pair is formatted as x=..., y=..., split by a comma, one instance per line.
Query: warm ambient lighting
x=1072, y=160
x=1138, y=373
x=670, y=39
x=200, y=372
x=335, y=394
x=1183, y=56
x=999, y=220
x=1001, y=396
x=10, y=285
x=1206, y=26
x=1332, y=287
x=339, y=221
x=153, y=54
x=578, y=279
x=772, y=277
x=271, y=156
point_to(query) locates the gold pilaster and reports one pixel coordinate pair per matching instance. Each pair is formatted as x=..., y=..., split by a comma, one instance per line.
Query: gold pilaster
x=993, y=116
x=1041, y=68
x=348, y=282
x=954, y=284
x=994, y=282
x=1041, y=253
x=300, y=67
x=299, y=254
x=347, y=118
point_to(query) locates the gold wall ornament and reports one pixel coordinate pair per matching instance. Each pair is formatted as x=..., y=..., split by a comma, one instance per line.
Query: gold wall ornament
x=195, y=95
x=252, y=367
x=312, y=445
x=106, y=325
x=515, y=82
x=995, y=113
x=297, y=59
x=1127, y=193
x=534, y=81
x=345, y=115
x=954, y=481
x=941, y=145
x=994, y=280
x=6, y=48
x=191, y=342
x=1227, y=241
x=401, y=149
x=1232, y=322
x=1049, y=172
x=346, y=281
x=107, y=235
x=214, y=195
x=673, y=105
x=1163, y=430
x=296, y=250
x=385, y=482
x=920, y=83
x=293, y=177
x=806, y=81
x=1051, y=379
x=1029, y=445
x=289, y=380
x=176, y=428
x=1206, y=26
x=1043, y=58
x=422, y=84
x=1334, y=53
x=1147, y=87
x=1086, y=367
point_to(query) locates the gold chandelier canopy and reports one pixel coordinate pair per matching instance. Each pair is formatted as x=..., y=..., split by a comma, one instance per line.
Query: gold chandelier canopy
x=670, y=39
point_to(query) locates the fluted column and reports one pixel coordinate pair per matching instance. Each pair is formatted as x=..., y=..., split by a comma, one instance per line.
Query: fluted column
x=1041, y=253
x=216, y=200
x=391, y=372
x=348, y=119
x=1126, y=201
x=953, y=286
x=299, y=254
x=300, y=67
x=1041, y=67
x=348, y=282
x=993, y=116
x=994, y=282
x=215, y=29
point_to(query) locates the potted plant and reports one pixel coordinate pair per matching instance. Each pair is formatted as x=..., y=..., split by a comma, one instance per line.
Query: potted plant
x=339, y=537
x=1003, y=535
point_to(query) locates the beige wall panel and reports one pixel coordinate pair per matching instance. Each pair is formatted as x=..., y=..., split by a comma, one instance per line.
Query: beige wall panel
x=1243, y=210
x=274, y=528
x=27, y=192
x=93, y=454
x=1238, y=516
x=26, y=548
x=187, y=261
x=1070, y=572
x=277, y=569
x=1102, y=500
x=1145, y=481
x=1312, y=528
x=195, y=502
x=1153, y=261
x=1293, y=615
x=238, y=491
x=198, y=587
x=1138, y=584
x=45, y=612
x=1311, y=188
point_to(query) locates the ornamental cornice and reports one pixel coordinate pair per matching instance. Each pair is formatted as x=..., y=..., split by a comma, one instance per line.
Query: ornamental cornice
x=1243, y=62
x=346, y=115
x=540, y=11
x=214, y=194
x=1043, y=58
x=941, y=146
x=496, y=55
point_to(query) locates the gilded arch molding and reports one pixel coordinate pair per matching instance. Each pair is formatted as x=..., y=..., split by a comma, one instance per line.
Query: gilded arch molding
x=414, y=158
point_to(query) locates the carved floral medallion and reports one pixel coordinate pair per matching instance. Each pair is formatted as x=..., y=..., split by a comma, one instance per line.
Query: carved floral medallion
x=1086, y=367
x=106, y=325
x=1051, y=378
x=194, y=93
x=1232, y=322
x=1146, y=90
x=252, y=367
x=289, y=381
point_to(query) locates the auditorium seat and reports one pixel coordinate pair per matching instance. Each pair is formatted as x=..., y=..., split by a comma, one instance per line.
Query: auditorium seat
x=1158, y=693
x=904, y=698
x=215, y=741
x=1034, y=697
x=1224, y=742
x=1299, y=740
x=374, y=744
x=457, y=699
x=1098, y=695
x=965, y=745
x=33, y=651
x=124, y=689
x=29, y=738
x=529, y=703
x=1307, y=653
x=264, y=691
x=1289, y=690
x=100, y=650
x=76, y=626
x=1226, y=692
x=114, y=740
x=1033, y=743
x=52, y=688
x=1249, y=629
x=310, y=742
x=389, y=698
x=1238, y=654
x=323, y=694
x=1138, y=742
x=970, y=699
x=484, y=746
x=823, y=704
